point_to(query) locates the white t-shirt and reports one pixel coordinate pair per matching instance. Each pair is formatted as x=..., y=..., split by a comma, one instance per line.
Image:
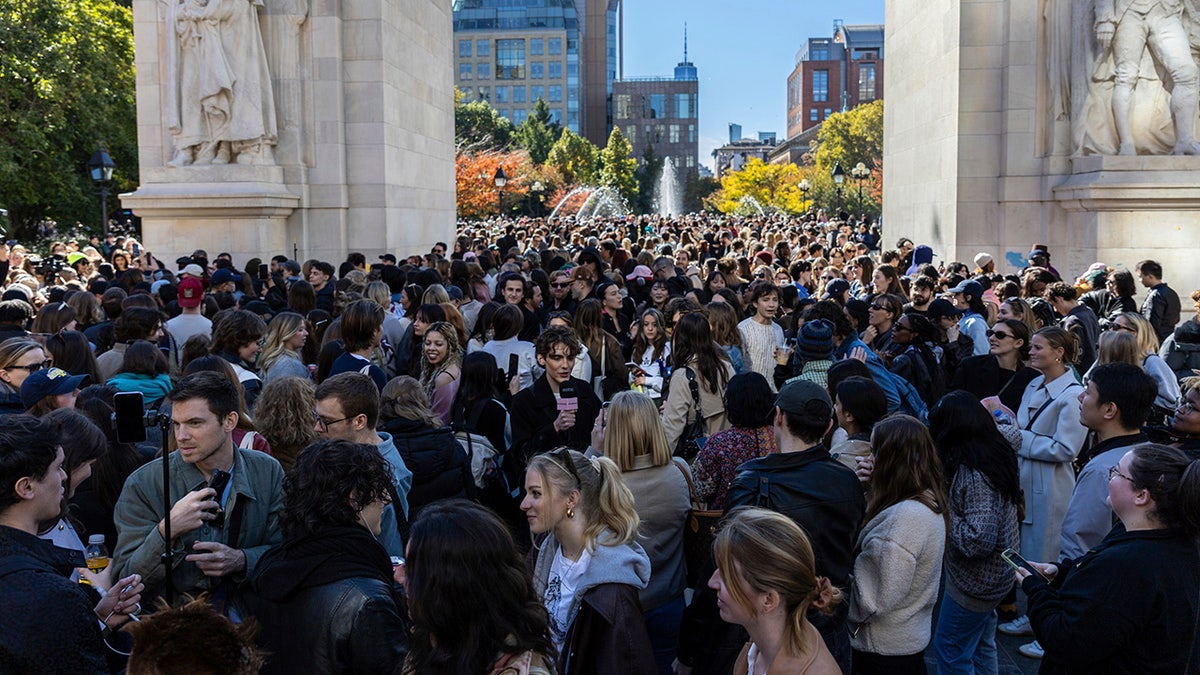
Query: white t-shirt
x=561, y=586
x=185, y=326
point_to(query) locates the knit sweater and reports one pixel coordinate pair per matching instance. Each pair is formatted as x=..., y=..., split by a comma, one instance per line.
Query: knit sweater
x=896, y=579
x=758, y=347
x=982, y=524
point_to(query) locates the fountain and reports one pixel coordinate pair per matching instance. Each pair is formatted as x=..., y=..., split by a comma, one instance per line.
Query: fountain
x=600, y=202
x=667, y=197
x=748, y=205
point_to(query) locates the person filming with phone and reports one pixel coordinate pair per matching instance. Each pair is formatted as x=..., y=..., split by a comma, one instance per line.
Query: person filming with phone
x=227, y=500
x=1129, y=605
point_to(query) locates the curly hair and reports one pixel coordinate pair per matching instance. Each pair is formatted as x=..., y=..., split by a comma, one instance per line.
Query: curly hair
x=284, y=415
x=328, y=484
x=469, y=593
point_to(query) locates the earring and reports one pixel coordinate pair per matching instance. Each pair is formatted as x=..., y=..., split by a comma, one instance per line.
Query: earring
x=570, y=512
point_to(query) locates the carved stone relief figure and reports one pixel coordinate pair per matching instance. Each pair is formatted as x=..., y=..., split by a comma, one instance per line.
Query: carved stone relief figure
x=220, y=107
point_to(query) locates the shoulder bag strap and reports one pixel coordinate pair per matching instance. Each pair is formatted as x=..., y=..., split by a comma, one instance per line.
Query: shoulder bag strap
x=691, y=486
x=1036, y=415
x=604, y=356
x=691, y=376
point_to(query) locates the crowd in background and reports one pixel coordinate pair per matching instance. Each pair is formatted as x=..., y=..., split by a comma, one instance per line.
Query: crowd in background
x=691, y=444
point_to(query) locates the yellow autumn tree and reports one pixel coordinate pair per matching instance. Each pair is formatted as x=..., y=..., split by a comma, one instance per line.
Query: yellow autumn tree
x=771, y=186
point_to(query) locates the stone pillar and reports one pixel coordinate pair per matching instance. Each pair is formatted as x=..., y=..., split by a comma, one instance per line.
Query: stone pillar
x=363, y=158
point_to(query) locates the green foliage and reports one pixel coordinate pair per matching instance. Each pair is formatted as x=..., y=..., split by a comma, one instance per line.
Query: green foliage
x=696, y=190
x=574, y=157
x=773, y=186
x=66, y=86
x=617, y=166
x=537, y=133
x=851, y=137
x=478, y=127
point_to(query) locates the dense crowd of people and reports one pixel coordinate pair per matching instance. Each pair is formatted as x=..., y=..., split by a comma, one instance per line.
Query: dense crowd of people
x=661, y=445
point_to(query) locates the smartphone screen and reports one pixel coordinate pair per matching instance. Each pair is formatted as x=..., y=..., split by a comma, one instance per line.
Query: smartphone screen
x=513, y=361
x=263, y=272
x=1015, y=561
x=129, y=417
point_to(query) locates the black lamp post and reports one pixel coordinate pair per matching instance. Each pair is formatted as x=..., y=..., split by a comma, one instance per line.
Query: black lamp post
x=101, y=166
x=538, y=189
x=805, y=186
x=860, y=173
x=839, y=177
x=500, y=180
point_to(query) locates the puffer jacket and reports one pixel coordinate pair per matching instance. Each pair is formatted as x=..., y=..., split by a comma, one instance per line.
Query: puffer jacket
x=1181, y=349
x=441, y=468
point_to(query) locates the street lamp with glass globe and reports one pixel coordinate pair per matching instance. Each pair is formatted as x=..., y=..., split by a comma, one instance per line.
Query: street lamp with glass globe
x=805, y=186
x=538, y=190
x=100, y=167
x=500, y=180
x=839, y=177
x=860, y=173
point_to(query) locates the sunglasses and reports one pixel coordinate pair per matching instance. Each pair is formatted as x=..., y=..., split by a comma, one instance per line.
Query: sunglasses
x=1115, y=327
x=566, y=285
x=33, y=368
x=881, y=307
x=999, y=334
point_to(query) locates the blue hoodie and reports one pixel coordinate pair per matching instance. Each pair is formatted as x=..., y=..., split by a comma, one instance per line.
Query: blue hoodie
x=902, y=396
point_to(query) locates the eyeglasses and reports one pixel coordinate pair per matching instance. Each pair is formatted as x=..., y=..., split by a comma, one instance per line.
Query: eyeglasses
x=324, y=424
x=33, y=368
x=998, y=334
x=1114, y=471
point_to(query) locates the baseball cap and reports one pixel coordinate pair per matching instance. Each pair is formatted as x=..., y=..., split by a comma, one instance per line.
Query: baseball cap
x=805, y=398
x=75, y=257
x=48, y=382
x=941, y=308
x=835, y=288
x=224, y=275
x=969, y=287
x=388, y=257
x=193, y=269
x=982, y=259
x=191, y=292
x=640, y=271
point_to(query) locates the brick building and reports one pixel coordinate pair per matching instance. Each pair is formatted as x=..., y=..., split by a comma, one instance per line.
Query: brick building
x=834, y=74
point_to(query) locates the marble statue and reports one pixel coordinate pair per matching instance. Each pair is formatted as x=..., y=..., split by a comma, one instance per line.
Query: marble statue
x=220, y=107
x=1143, y=83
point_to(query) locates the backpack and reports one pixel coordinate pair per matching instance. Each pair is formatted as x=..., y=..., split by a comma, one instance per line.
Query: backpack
x=485, y=460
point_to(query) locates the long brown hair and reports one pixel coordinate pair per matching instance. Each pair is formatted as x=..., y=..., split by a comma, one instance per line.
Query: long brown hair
x=906, y=467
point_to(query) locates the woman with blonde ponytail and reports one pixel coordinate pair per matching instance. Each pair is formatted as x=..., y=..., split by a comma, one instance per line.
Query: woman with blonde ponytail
x=766, y=581
x=589, y=566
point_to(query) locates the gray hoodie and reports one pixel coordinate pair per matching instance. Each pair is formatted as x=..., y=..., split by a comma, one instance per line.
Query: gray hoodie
x=625, y=564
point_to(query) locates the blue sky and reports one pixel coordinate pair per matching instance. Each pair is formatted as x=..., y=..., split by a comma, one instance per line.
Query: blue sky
x=744, y=52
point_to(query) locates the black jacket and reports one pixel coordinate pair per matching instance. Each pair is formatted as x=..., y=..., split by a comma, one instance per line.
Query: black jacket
x=48, y=625
x=1083, y=322
x=325, y=296
x=1181, y=350
x=440, y=466
x=1161, y=309
x=982, y=376
x=327, y=604
x=533, y=411
x=815, y=490
x=1128, y=606
x=608, y=635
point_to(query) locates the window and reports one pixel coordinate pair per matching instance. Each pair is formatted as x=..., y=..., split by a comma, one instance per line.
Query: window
x=535, y=46
x=537, y=92
x=501, y=94
x=555, y=70
x=556, y=115
x=464, y=48
x=691, y=161
x=828, y=112
x=685, y=106
x=660, y=132
x=555, y=93
x=464, y=71
x=483, y=48
x=657, y=106
x=812, y=115
x=503, y=113
x=691, y=133
x=866, y=82
x=510, y=59
x=518, y=94
x=674, y=133
x=519, y=116
x=485, y=94
x=483, y=71
x=820, y=85
x=554, y=46
x=536, y=71
x=621, y=107
x=819, y=53
x=631, y=134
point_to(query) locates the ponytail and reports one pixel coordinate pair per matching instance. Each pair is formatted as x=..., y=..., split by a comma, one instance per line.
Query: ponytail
x=611, y=504
x=1173, y=479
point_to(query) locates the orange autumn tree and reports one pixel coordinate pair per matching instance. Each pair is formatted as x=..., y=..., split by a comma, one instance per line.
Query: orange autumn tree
x=476, y=193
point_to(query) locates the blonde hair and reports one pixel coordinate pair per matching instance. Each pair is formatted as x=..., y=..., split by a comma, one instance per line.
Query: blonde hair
x=379, y=293
x=13, y=349
x=767, y=551
x=1119, y=347
x=435, y=295
x=404, y=397
x=605, y=502
x=633, y=428
x=282, y=328
x=1147, y=339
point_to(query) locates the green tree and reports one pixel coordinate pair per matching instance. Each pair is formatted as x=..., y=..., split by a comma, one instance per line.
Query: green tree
x=851, y=137
x=617, y=166
x=647, y=176
x=537, y=133
x=696, y=189
x=66, y=86
x=574, y=157
x=772, y=186
x=478, y=127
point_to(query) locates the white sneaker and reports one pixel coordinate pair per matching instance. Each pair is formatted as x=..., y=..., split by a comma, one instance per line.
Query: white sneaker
x=1018, y=626
x=1033, y=650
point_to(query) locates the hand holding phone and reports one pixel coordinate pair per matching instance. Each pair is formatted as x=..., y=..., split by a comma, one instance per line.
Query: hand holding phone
x=1020, y=564
x=513, y=363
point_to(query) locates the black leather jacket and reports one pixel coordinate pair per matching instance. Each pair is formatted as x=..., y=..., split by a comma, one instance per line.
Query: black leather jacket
x=324, y=606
